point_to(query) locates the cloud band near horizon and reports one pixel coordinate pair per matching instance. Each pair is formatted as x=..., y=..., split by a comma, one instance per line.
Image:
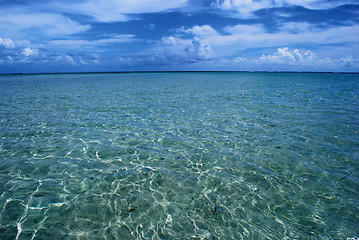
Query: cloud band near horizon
x=311, y=35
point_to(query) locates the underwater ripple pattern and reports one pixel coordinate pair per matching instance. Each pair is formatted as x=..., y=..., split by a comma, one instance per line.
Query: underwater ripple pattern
x=179, y=156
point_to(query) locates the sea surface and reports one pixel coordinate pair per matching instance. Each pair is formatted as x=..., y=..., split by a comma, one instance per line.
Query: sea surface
x=179, y=156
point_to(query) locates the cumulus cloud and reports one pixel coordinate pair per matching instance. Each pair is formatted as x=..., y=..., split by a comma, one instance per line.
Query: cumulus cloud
x=172, y=41
x=241, y=37
x=6, y=43
x=348, y=62
x=199, y=50
x=19, y=52
x=27, y=52
x=186, y=50
x=16, y=51
x=286, y=59
x=59, y=33
x=286, y=56
x=171, y=51
x=74, y=60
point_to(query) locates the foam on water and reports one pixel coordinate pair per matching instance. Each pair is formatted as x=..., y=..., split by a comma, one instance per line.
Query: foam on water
x=179, y=156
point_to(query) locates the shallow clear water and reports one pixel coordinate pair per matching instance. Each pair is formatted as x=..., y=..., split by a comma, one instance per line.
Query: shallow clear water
x=179, y=156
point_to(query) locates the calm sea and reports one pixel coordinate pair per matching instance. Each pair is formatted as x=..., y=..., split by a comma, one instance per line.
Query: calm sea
x=179, y=156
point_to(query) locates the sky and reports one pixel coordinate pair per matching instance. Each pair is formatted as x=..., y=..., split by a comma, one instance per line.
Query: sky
x=178, y=35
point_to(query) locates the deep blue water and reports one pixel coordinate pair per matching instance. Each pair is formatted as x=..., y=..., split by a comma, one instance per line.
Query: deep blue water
x=179, y=156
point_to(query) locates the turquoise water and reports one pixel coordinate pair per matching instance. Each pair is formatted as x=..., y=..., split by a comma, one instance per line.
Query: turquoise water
x=179, y=156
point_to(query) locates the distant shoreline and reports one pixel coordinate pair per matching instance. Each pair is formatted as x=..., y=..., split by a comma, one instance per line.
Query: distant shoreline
x=127, y=72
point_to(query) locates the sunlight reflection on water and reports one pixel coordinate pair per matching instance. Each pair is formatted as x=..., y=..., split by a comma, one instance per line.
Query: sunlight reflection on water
x=179, y=156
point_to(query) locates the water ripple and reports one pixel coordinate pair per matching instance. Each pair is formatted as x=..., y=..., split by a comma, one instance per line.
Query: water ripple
x=179, y=156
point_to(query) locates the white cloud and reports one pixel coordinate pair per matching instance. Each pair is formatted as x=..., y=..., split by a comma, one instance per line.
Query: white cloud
x=171, y=40
x=66, y=58
x=149, y=26
x=239, y=38
x=245, y=8
x=27, y=52
x=186, y=50
x=349, y=61
x=122, y=38
x=316, y=4
x=69, y=59
x=286, y=59
x=199, y=50
x=117, y=10
x=172, y=46
x=286, y=56
x=40, y=21
x=297, y=27
x=171, y=51
x=245, y=29
x=201, y=31
x=240, y=59
x=7, y=43
x=16, y=51
x=20, y=24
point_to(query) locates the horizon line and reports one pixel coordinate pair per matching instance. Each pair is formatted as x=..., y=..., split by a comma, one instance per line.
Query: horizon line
x=175, y=71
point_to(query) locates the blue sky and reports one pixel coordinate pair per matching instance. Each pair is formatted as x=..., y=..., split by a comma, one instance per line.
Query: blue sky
x=144, y=35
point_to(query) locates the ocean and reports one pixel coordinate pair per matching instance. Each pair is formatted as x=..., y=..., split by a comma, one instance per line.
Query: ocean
x=183, y=155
